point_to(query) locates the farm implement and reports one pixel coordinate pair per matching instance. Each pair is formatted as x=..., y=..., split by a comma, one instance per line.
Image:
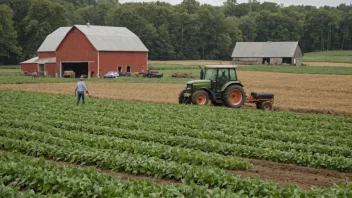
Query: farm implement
x=220, y=86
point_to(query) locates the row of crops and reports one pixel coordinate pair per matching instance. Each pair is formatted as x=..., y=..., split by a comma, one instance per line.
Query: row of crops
x=194, y=146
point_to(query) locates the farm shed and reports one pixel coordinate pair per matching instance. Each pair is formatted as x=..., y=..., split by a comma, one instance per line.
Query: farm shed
x=274, y=53
x=89, y=50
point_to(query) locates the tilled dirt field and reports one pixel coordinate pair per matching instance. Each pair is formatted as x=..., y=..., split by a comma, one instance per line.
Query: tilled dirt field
x=323, y=94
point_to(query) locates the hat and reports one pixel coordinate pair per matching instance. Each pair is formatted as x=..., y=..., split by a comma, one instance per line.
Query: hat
x=81, y=78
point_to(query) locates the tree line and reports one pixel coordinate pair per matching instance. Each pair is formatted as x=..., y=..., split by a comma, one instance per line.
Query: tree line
x=188, y=30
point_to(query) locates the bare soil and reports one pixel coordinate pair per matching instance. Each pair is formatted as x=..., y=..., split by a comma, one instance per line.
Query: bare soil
x=286, y=174
x=306, y=93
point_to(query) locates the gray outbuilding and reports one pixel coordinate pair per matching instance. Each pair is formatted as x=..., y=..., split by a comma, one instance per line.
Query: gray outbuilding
x=273, y=53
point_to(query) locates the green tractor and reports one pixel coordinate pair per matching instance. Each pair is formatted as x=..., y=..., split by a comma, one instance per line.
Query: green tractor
x=219, y=85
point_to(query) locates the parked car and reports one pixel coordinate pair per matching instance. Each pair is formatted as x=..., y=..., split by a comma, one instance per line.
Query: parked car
x=111, y=74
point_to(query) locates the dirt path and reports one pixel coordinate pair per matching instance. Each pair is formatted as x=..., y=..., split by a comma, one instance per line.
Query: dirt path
x=323, y=94
x=303, y=177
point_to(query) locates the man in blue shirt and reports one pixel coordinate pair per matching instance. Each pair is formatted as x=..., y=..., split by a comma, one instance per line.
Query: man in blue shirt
x=80, y=88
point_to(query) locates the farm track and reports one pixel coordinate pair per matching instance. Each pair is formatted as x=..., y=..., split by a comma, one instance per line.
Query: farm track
x=305, y=93
x=286, y=174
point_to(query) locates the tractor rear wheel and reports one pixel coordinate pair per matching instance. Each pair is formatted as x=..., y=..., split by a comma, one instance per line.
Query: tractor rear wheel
x=200, y=97
x=182, y=99
x=267, y=106
x=234, y=96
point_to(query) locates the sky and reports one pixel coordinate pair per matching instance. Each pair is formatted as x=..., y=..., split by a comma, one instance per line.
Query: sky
x=285, y=2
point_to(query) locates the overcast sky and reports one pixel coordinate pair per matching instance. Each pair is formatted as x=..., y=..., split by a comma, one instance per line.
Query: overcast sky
x=285, y=2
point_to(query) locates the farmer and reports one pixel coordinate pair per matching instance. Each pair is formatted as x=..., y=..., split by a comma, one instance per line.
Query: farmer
x=80, y=88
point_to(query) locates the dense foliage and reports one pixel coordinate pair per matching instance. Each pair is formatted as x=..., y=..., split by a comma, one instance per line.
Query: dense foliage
x=184, y=31
x=163, y=141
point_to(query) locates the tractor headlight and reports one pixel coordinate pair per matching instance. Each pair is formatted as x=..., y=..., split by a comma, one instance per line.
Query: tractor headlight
x=189, y=86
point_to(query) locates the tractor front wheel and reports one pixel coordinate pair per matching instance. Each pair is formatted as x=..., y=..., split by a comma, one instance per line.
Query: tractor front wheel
x=182, y=99
x=234, y=96
x=200, y=97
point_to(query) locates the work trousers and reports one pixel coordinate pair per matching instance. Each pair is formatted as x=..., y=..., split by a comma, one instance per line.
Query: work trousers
x=80, y=95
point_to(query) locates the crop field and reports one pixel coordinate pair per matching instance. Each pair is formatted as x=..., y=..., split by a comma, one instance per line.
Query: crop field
x=50, y=146
x=325, y=94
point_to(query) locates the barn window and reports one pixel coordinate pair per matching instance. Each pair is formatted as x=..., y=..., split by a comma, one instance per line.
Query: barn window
x=119, y=69
x=128, y=70
x=41, y=67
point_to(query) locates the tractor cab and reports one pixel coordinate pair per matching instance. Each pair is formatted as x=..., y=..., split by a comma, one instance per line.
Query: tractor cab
x=219, y=85
x=220, y=76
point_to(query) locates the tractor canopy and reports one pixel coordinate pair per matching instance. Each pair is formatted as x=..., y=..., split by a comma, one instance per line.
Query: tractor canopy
x=216, y=78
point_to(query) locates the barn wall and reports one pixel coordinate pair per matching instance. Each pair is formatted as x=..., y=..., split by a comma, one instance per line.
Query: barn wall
x=29, y=67
x=275, y=61
x=298, y=57
x=77, y=48
x=247, y=61
x=50, y=69
x=46, y=54
x=109, y=61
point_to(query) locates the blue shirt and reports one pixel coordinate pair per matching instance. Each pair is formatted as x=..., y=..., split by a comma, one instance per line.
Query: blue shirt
x=81, y=86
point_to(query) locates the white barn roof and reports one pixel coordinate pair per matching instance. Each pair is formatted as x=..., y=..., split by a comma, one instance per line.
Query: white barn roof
x=40, y=60
x=264, y=49
x=103, y=38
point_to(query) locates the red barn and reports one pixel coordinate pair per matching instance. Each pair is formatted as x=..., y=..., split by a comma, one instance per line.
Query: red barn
x=89, y=50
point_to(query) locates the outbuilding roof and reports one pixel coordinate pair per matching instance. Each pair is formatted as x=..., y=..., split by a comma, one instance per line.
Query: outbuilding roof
x=40, y=60
x=264, y=49
x=103, y=38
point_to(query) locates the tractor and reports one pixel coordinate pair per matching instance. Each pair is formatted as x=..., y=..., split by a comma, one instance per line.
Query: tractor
x=220, y=86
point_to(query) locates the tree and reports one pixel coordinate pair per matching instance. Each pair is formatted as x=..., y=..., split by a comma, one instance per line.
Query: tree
x=43, y=18
x=321, y=30
x=247, y=24
x=9, y=50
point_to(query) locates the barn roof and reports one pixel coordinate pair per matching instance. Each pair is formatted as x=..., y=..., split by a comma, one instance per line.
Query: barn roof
x=264, y=49
x=103, y=38
x=54, y=39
